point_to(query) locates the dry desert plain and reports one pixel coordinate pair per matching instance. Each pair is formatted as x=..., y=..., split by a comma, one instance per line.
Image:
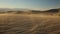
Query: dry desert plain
x=29, y=24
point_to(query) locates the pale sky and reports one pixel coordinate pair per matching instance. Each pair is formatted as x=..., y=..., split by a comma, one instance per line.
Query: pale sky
x=30, y=4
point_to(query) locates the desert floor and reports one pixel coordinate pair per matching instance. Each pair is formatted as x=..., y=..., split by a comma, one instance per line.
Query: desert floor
x=29, y=24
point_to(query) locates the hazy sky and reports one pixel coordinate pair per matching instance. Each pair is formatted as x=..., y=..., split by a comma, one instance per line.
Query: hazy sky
x=30, y=4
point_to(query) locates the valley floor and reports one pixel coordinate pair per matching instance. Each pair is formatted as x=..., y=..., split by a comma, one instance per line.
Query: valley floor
x=29, y=24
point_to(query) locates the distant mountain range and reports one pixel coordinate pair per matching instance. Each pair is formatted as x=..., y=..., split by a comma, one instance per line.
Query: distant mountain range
x=14, y=9
x=19, y=9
